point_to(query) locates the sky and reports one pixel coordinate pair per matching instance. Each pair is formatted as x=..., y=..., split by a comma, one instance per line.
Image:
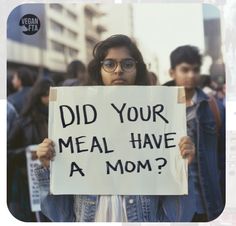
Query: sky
x=160, y=28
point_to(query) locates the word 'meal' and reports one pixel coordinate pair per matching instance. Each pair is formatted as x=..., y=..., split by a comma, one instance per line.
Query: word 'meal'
x=94, y=144
x=87, y=114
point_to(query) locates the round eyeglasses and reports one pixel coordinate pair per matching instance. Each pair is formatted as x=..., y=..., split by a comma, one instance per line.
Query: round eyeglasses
x=127, y=65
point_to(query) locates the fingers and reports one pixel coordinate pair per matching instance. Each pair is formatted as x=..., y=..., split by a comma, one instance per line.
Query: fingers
x=45, y=152
x=184, y=140
x=187, y=148
x=48, y=141
x=188, y=153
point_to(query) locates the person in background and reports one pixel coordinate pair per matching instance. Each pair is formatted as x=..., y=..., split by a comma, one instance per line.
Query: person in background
x=206, y=195
x=207, y=85
x=117, y=62
x=29, y=129
x=169, y=83
x=22, y=81
x=12, y=115
x=58, y=78
x=76, y=74
x=221, y=94
x=10, y=88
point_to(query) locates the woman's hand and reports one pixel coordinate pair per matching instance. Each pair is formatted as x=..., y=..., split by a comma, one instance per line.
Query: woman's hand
x=45, y=152
x=187, y=148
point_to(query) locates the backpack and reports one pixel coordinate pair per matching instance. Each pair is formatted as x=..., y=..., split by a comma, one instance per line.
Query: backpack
x=216, y=113
x=221, y=155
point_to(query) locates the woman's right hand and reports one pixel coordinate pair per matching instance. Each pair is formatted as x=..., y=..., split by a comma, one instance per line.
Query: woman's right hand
x=45, y=152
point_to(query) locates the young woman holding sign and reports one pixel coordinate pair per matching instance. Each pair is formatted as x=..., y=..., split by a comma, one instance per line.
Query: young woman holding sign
x=117, y=61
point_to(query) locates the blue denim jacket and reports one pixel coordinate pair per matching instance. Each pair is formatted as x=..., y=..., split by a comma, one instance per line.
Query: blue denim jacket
x=60, y=208
x=210, y=158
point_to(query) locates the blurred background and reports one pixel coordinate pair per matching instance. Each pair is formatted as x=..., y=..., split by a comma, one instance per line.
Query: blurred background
x=69, y=32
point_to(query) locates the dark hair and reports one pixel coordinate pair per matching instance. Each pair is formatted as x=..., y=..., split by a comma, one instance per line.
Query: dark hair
x=26, y=76
x=58, y=78
x=185, y=54
x=10, y=88
x=100, y=51
x=75, y=68
x=40, y=88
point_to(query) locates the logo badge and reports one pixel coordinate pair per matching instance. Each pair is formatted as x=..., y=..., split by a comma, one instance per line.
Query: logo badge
x=31, y=23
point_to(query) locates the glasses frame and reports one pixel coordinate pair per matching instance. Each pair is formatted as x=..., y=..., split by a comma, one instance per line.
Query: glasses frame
x=118, y=62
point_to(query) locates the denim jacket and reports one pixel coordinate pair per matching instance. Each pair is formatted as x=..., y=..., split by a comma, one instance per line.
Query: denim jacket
x=60, y=208
x=210, y=157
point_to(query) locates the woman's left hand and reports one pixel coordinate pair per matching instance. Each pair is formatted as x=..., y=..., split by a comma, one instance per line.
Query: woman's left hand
x=187, y=148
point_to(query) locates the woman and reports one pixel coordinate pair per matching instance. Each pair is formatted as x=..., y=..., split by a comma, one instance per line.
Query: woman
x=76, y=74
x=30, y=128
x=117, y=61
x=22, y=81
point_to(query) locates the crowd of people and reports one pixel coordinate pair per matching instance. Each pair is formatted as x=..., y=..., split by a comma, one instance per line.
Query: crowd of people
x=118, y=61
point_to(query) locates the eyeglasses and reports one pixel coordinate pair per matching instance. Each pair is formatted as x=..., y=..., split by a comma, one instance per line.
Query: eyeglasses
x=127, y=65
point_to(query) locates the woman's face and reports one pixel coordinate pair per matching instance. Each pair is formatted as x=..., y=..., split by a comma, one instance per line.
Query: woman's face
x=118, y=67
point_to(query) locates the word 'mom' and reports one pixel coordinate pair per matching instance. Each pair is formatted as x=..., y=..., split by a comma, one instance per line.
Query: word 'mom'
x=122, y=167
x=131, y=166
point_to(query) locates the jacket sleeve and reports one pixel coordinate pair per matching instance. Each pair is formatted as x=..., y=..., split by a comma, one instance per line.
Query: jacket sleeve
x=16, y=158
x=58, y=208
x=178, y=208
x=15, y=137
x=11, y=116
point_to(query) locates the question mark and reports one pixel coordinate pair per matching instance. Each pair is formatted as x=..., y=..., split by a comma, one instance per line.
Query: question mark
x=162, y=165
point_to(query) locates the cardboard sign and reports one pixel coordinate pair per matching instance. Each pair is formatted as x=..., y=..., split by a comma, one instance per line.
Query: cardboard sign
x=32, y=164
x=117, y=140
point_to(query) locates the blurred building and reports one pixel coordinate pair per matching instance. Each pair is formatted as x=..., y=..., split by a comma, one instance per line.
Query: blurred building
x=118, y=19
x=150, y=57
x=67, y=32
x=213, y=42
x=70, y=31
x=161, y=28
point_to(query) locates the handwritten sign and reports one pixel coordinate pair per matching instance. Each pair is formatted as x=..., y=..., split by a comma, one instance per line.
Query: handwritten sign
x=117, y=140
x=32, y=164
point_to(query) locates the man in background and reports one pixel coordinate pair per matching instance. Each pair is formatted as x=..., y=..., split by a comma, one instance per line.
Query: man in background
x=205, y=192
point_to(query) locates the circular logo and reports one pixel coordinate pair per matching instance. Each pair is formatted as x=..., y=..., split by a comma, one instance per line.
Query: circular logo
x=31, y=23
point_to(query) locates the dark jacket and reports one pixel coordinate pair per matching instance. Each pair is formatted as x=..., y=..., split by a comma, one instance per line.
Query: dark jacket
x=18, y=98
x=11, y=116
x=210, y=153
x=27, y=130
